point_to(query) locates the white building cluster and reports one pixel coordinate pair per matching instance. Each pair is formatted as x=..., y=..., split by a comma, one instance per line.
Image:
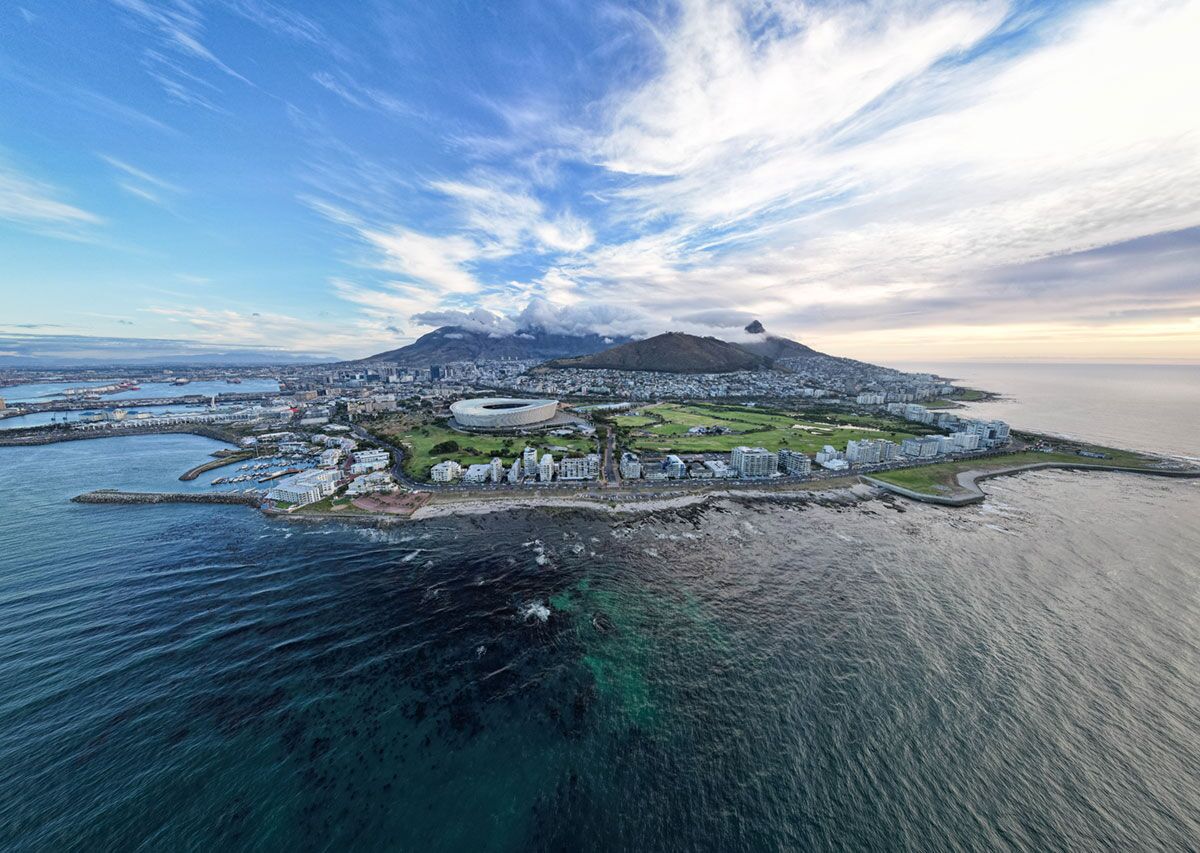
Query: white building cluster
x=526, y=468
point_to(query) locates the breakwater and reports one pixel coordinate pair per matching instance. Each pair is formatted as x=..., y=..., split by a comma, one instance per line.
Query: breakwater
x=54, y=436
x=114, y=496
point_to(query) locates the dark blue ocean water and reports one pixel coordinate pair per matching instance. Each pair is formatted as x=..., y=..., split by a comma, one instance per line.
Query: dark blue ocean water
x=1019, y=675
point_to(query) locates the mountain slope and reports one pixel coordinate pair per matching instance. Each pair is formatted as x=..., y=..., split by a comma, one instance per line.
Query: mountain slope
x=454, y=343
x=672, y=352
x=772, y=347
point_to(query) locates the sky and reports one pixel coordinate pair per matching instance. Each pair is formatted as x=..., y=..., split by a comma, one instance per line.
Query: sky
x=892, y=181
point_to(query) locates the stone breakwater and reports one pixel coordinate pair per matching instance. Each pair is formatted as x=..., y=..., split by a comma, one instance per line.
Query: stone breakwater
x=113, y=496
x=38, y=435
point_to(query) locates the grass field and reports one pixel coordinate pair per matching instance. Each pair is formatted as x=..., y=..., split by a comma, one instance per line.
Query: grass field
x=664, y=428
x=940, y=479
x=418, y=441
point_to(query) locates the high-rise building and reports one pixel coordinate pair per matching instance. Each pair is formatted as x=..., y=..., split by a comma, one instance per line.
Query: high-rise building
x=631, y=466
x=794, y=462
x=546, y=468
x=514, y=473
x=754, y=461
x=529, y=461
x=497, y=469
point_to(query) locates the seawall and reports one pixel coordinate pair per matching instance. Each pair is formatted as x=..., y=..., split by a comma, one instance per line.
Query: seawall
x=971, y=493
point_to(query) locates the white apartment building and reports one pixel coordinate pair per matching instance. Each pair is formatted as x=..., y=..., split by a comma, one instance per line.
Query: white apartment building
x=445, y=472
x=373, y=483
x=480, y=472
x=794, y=462
x=529, y=460
x=304, y=488
x=497, y=469
x=579, y=467
x=631, y=466
x=545, y=468
x=754, y=461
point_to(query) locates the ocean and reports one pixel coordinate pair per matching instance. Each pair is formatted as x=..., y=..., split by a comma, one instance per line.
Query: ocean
x=736, y=675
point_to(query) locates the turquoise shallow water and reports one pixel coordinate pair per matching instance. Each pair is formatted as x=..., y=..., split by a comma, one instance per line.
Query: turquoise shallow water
x=1019, y=675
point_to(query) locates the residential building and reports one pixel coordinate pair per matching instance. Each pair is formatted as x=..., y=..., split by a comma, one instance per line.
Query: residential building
x=373, y=483
x=304, y=488
x=754, y=461
x=514, y=473
x=828, y=453
x=366, y=461
x=529, y=461
x=579, y=467
x=794, y=462
x=674, y=467
x=480, y=472
x=920, y=448
x=445, y=472
x=720, y=469
x=497, y=469
x=545, y=468
x=631, y=466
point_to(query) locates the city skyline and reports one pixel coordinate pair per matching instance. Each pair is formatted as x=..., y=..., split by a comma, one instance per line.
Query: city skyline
x=892, y=183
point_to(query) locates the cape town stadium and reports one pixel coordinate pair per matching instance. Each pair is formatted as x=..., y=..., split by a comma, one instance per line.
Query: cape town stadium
x=501, y=412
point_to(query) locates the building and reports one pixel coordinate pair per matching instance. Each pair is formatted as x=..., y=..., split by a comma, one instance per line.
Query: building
x=834, y=464
x=304, y=488
x=497, y=469
x=579, y=467
x=674, y=467
x=631, y=466
x=991, y=433
x=366, y=461
x=529, y=461
x=545, y=468
x=963, y=441
x=514, y=473
x=480, y=472
x=828, y=453
x=445, y=472
x=2, y=404
x=373, y=483
x=794, y=462
x=699, y=471
x=720, y=469
x=331, y=457
x=920, y=448
x=870, y=398
x=502, y=412
x=754, y=461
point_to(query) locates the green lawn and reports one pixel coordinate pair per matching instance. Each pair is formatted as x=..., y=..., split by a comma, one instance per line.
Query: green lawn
x=663, y=428
x=418, y=442
x=940, y=478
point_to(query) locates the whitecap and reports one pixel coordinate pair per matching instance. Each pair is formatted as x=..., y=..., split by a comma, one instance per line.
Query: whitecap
x=535, y=610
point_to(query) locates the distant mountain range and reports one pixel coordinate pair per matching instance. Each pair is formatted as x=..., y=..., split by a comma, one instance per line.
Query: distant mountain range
x=455, y=343
x=671, y=352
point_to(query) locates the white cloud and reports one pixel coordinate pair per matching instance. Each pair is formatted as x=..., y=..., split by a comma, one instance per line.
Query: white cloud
x=27, y=201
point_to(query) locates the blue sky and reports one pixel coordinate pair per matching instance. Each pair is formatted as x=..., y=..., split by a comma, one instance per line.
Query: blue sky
x=884, y=180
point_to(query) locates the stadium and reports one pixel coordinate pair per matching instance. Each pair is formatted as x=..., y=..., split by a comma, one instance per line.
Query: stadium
x=503, y=412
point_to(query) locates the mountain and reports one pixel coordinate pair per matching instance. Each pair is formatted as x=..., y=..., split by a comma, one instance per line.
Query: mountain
x=769, y=346
x=672, y=352
x=455, y=343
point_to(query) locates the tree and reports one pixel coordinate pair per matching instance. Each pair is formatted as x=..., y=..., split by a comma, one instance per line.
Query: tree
x=450, y=446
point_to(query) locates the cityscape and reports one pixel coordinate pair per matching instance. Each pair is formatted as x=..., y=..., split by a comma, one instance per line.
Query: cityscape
x=641, y=426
